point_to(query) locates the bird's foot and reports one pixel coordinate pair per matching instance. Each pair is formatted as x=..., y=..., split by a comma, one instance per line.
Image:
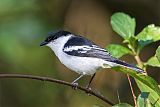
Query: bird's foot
x=88, y=90
x=74, y=85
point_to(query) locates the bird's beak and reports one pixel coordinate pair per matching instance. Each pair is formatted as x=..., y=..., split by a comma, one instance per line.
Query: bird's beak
x=43, y=43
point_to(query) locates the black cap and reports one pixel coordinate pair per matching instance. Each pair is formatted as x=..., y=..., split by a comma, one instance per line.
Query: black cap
x=53, y=36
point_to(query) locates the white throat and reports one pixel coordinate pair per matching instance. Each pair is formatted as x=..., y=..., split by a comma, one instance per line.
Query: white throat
x=58, y=44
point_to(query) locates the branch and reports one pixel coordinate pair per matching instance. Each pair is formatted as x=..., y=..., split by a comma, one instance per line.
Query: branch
x=139, y=62
x=130, y=84
x=41, y=78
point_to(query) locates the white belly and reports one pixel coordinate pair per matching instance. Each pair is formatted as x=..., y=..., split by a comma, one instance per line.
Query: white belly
x=81, y=65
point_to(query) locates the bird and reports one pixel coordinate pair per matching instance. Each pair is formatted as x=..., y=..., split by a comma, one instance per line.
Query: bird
x=81, y=55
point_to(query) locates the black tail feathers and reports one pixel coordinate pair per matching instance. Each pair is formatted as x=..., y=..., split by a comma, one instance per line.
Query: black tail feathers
x=130, y=66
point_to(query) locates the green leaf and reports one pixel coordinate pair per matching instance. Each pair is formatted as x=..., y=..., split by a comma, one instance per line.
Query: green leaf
x=132, y=43
x=117, y=50
x=144, y=82
x=153, y=61
x=123, y=24
x=149, y=34
x=153, y=97
x=158, y=53
x=122, y=105
x=149, y=81
x=143, y=101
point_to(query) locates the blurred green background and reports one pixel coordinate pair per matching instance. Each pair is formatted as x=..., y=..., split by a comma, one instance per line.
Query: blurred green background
x=24, y=24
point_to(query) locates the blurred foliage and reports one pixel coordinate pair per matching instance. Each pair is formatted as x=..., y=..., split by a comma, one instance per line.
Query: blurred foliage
x=122, y=105
x=23, y=25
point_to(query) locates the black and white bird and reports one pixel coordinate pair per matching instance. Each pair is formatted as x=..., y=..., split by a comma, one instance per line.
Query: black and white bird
x=82, y=55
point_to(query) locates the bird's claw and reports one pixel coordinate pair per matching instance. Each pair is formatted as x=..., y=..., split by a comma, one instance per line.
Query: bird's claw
x=87, y=86
x=88, y=90
x=74, y=85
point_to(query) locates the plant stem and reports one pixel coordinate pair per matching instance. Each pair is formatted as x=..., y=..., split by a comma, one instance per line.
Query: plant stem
x=130, y=84
x=139, y=62
x=48, y=79
x=137, y=58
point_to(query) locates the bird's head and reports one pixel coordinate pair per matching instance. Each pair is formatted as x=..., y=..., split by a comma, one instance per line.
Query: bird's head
x=54, y=37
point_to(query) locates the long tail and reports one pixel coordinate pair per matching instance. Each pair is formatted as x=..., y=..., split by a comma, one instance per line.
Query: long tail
x=124, y=64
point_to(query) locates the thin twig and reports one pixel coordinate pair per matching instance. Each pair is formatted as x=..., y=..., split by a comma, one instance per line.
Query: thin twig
x=130, y=84
x=42, y=78
x=137, y=58
x=139, y=62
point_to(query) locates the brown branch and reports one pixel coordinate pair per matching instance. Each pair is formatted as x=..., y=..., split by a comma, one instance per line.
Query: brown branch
x=41, y=78
x=130, y=84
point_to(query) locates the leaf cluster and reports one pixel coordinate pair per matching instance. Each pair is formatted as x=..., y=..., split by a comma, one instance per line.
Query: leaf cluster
x=124, y=26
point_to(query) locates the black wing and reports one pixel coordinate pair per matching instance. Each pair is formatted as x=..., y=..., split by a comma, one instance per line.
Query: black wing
x=78, y=41
x=78, y=46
